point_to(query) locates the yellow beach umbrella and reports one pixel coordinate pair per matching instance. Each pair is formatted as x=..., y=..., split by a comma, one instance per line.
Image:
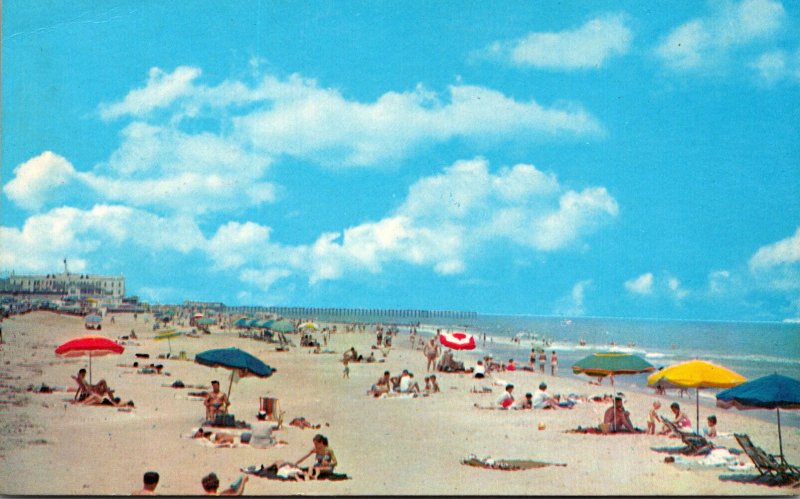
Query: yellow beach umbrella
x=697, y=374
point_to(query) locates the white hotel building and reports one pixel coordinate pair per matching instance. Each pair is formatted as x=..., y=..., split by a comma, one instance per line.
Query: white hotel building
x=109, y=289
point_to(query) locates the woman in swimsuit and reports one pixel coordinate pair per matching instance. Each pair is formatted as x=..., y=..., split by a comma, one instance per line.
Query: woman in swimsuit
x=324, y=458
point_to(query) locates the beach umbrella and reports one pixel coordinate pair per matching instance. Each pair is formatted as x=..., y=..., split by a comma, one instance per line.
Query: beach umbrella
x=241, y=322
x=308, y=325
x=167, y=335
x=252, y=323
x=602, y=364
x=697, y=374
x=265, y=324
x=769, y=392
x=93, y=346
x=198, y=315
x=282, y=326
x=237, y=361
x=457, y=340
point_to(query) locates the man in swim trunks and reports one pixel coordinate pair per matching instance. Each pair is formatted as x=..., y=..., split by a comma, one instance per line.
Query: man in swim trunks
x=431, y=351
x=216, y=402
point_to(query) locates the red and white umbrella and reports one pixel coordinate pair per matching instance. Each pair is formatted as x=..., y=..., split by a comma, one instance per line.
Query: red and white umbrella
x=457, y=340
x=198, y=315
x=93, y=346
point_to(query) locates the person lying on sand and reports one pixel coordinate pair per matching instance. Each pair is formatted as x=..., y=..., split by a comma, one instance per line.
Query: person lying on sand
x=95, y=399
x=210, y=485
x=324, y=458
x=215, y=437
x=302, y=423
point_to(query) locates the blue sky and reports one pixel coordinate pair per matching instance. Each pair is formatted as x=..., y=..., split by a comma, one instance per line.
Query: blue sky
x=604, y=159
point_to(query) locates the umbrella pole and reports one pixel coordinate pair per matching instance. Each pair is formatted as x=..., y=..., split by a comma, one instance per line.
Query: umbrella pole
x=697, y=405
x=230, y=385
x=780, y=440
x=90, y=368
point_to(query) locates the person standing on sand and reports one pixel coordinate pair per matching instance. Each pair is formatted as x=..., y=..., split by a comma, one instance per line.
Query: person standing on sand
x=553, y=363
x=346, y=372
x=431, y=351
x=542, y=360
x=150, y=484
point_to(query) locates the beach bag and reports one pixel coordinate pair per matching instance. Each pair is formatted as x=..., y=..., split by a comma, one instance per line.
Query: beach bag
x=225, y=420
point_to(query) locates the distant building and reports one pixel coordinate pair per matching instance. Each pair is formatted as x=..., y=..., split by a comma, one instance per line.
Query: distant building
x=107, y=289
x=205, y=305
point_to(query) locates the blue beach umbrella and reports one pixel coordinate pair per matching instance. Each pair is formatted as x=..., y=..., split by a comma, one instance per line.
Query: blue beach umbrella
x=770, y=392
x=235, y=360
x=241, y=322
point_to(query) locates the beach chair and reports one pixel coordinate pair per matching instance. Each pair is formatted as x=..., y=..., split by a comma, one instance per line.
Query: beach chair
x=271, y=406
x=695, y=444
x=766, y=463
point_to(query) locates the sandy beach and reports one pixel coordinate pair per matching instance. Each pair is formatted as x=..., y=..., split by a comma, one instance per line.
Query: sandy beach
x=387, y=446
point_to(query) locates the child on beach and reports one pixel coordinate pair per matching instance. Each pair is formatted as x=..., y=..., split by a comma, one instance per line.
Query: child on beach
x=652, y=418
x=346, y=372
x=711, y=430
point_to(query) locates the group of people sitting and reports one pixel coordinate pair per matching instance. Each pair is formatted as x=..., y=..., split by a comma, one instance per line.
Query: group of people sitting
x=404, y=383
x=542, y=399
x=96, y=394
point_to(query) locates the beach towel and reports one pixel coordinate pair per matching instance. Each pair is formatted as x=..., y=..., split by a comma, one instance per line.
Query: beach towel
x=506, y=464
x=594, y=430
x=288, y=473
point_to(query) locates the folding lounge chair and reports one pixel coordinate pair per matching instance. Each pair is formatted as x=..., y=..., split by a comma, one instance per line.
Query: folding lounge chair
x=766, y=463
x=695, y=444
x=271, y=407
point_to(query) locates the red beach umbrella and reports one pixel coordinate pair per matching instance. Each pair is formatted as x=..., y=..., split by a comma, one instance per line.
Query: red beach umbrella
x=93, y=346
x=457, y=340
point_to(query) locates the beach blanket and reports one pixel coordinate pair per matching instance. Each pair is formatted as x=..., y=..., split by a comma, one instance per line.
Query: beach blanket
x=594, y=430
x=506, y=464
x=288, y=473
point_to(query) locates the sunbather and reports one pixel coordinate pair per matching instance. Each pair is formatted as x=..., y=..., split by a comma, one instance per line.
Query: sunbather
x=618, y=418
x=324, y=458
x=216, y=402
x=407, y=383
x=210, y=484
x=543, y=400
x=507, y=398
x=85, y=388
x=95, y=399
x=381, y=386
x=682, y=421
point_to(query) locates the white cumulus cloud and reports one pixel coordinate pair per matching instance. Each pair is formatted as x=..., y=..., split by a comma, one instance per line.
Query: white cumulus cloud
x=642, y=285
x=777, y=266
x=587, y=46
x=46, y=238
x=161, y=90
x=778, y=66
x=704, y=42
x=39, y=179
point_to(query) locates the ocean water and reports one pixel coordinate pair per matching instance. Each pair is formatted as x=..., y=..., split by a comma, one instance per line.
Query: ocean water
x=753, y=349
